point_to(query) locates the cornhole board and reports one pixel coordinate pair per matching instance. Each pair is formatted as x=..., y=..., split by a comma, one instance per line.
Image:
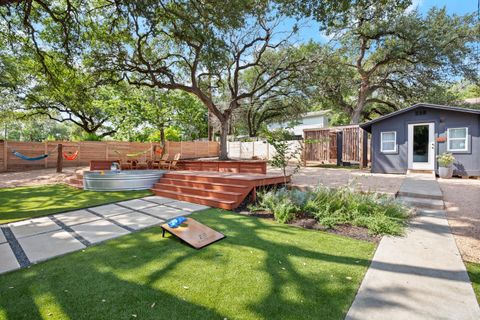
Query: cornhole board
x=193, y=233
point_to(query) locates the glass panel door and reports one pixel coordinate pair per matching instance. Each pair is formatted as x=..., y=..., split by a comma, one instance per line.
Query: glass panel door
x=420, y=143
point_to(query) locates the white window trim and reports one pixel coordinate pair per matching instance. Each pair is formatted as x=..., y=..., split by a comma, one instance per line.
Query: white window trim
x=382, y=141
x=466, y=139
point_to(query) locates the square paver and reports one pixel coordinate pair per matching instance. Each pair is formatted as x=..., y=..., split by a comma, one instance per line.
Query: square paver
x=159, y=200
x=33, y=226
x=8, y=262
x=164, y=212
x=100, y=230
x=137, y=204
x=2, y=237
x=187, y=206
x=110, y=210
x=76, y=217
x=48, y=245
x=136, y=220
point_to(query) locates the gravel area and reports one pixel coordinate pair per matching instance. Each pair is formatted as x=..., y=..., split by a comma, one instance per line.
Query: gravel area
x=35, y=177
x=359, y=179
x=462, y=199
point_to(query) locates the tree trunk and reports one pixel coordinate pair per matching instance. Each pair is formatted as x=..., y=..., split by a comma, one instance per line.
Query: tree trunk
x=362, y=98
x=223, y=140
x=162, y=135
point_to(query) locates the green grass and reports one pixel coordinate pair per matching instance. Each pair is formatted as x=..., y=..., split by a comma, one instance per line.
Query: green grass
x=474, y=273
x=262, y=270
x=28, y=202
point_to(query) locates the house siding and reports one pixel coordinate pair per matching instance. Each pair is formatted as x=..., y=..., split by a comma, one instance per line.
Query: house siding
x=467, y=163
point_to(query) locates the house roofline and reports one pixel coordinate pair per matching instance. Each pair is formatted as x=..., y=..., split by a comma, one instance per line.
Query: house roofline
x=367, y=125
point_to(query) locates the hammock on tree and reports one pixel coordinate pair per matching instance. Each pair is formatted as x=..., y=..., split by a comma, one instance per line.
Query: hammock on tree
x=136, y=154
x=70, y=157
x=24, y=157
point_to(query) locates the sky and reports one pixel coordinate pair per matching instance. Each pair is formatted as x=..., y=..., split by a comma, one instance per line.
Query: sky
x=309, y=31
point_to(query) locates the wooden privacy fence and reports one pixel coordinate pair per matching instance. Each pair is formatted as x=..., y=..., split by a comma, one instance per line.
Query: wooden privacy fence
x=337, y=145
x=95, y=150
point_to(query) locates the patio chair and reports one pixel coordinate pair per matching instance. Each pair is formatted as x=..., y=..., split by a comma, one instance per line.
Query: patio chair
x=173, y=163
x=162, y=163
x=124, y=163
x=142, y=163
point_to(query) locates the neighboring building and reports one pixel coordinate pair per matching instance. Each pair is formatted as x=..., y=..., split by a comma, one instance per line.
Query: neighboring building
x=310, y=120
x=412, y=138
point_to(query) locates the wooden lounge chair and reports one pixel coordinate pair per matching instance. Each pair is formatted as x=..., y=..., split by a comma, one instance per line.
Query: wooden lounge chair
x=173, y=163
x=124, y=163
x=142, y=163
x=161, y=163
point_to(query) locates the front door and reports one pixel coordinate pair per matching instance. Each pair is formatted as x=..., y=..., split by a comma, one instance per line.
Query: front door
x=421, y=146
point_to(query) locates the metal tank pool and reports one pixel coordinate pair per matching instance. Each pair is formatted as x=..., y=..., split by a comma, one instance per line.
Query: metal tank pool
x=121, y=180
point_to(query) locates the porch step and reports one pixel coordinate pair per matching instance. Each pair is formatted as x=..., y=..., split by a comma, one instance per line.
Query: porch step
x=423, y=203
x=420, y=186
x=208, y=201
x=220, y=194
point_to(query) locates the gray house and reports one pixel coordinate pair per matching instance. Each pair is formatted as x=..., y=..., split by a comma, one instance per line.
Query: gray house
x=411, y=138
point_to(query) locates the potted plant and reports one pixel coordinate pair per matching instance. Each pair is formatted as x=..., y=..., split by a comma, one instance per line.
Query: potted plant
x=445, y=162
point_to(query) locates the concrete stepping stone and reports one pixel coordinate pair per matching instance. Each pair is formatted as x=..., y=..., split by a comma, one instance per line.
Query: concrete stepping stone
x=31, y=227
x=2, y=237
x=187, y=206
x=99, y=230
x=8, y=261
x=136, y=220
x=137, y=204
x=165, y=213
x=48, y=245
x=109, y=210
x=76, y=217
x=159, y=200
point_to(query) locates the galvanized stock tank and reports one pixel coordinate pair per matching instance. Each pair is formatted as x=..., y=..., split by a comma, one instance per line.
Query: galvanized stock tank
x=121, y=180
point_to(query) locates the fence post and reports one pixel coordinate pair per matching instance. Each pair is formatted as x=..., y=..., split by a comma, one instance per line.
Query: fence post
x=106, y=150
x=253, y=149
x=240, y=152
x=46, y=152
x=339, y=147
x=59, y=158
x=5, y=155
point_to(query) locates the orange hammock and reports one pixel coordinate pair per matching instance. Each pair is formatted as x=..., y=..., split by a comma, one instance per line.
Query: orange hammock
x=70, y=157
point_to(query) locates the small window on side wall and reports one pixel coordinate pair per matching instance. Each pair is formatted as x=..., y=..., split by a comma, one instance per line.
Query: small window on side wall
x=388, y=142
x=457, y=139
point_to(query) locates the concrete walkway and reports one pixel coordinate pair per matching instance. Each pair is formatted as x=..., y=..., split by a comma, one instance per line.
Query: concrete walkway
x=418, y=276
x=30, y=241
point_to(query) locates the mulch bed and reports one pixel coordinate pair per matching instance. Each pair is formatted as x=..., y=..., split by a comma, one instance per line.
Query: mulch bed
x=305, y=222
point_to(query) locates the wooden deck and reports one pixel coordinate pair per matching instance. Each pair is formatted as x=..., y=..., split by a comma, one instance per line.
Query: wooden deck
x=216, y=189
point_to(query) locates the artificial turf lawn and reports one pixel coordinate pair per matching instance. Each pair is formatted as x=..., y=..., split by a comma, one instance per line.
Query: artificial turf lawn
x=262, y=270
x=28, y=202
x=474, y=273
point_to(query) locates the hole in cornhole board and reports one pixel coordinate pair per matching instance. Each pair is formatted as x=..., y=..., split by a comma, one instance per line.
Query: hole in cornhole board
x=194, y=233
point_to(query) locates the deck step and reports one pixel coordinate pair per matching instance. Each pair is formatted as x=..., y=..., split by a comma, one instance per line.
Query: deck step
x=205, y=178
x=423, y=203
x=208, y=201
x=226, y=195
x=205, y=185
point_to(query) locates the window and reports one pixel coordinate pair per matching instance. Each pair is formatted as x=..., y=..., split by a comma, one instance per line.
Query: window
x=388, y=142
x=457, y=139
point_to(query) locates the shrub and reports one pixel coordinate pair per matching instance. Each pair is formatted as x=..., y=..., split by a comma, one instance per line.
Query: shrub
x=380, y=214
x=445, y=159
x=279, y=203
